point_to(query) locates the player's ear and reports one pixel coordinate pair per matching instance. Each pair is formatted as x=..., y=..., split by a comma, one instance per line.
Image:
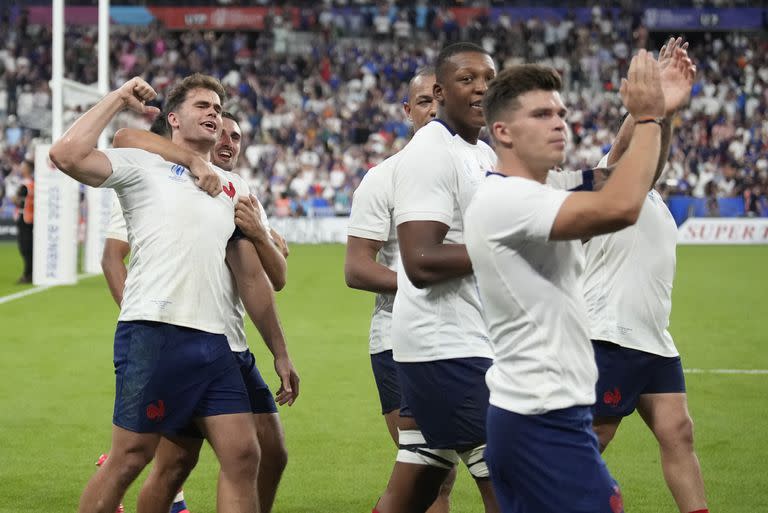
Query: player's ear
x=501, y=133
x=437, y=92
x=173, y=120
x=407, y=110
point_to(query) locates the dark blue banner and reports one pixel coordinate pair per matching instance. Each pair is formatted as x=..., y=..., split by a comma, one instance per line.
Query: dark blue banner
x=705, y=19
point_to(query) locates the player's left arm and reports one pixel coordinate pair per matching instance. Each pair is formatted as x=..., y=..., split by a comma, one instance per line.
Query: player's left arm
x=258, y=298
x=677, y=76
x=248, y=218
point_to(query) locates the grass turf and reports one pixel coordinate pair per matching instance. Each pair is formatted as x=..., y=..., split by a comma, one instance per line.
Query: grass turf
x=57, y=387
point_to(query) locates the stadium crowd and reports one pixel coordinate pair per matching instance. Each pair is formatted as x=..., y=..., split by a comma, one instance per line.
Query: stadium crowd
x=320, y=105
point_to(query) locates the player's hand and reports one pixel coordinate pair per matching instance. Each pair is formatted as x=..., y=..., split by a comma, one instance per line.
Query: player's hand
x=135, y=93
x=677, y=76
x=289, y=381
x=641, y=91
x=280, y=242
x=205, y=177
x=248, y=218
x=669, y=49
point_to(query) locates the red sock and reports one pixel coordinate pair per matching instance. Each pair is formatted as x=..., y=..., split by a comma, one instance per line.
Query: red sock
x=705, y=510
x=377, y=511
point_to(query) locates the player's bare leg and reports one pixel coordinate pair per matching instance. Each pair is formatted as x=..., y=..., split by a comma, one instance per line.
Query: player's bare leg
x=392, y=419
x=414, y=487
x=489, y=496
x=605, y=428
x=667, y=416
x=274, y=457
x=130, y=453
x=233, y=439
x=175, y=457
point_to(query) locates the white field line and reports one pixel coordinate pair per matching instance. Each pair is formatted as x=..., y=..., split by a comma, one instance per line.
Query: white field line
x=726, y=371
x=35, y=290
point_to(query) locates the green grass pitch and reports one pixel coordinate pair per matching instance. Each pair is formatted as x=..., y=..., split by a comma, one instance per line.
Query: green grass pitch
x=56, y=391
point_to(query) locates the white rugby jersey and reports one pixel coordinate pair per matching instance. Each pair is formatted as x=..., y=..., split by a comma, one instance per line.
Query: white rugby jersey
x=434, y=180
x=372, y=218
x=178, y=236
x=532, y=297
x=628, y=281
x=234, y=328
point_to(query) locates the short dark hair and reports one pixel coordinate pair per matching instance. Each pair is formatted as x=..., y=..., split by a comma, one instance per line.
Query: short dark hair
x=514, y=81
x=160, y=126
x=449, y=51
x=228, y=115
x=178, y=94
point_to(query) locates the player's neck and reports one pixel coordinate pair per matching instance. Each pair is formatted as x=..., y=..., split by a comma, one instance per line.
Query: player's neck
x=510, y=165
x=201, y=149
x=466, y=132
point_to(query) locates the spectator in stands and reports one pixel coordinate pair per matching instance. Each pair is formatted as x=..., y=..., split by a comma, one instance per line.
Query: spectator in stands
x=25, y=202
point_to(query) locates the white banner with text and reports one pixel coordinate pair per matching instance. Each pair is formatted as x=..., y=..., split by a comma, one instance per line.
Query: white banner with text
x=723, y=230
x=54, y=254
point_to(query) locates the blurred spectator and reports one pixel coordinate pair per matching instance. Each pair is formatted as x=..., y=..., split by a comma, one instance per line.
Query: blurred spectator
x=25, y=203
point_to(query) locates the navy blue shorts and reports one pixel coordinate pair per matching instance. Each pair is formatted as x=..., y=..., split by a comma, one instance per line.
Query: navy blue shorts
x=385, y=375
x=448, y=399
x=167, y=375
x=548, y=463
x=626, y=374
x=258, y=391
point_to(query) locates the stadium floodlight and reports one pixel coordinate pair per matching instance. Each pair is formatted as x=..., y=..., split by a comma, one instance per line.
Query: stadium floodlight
x=57, y=195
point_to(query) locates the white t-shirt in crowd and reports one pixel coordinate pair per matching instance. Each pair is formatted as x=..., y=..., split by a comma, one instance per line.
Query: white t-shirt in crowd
x=178, y=236
x=372, y=218
x=532, y=297
x=434, y=180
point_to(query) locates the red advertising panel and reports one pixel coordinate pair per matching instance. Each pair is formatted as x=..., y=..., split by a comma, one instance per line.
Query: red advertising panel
x=218, y=18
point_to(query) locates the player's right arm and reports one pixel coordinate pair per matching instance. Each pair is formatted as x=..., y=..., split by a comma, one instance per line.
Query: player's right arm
x=424, y=208
x=113, y=265
x=363, y=272
x=75, y=152
x=370, y=223
x=205, y=177
x=617, y=205
x=116, y=248
x=426, y=259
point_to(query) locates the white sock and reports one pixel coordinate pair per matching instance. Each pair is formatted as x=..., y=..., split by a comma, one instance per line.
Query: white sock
x=179, y=496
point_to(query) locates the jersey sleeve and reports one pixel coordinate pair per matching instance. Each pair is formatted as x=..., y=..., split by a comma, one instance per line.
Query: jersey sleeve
x=425, y=184
x=127, y=167
x=527, y=212
x=117, y=229
x=370, y=217
x=571, y=180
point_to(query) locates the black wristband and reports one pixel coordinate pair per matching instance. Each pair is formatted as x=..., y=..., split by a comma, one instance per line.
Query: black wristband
x=649, y=120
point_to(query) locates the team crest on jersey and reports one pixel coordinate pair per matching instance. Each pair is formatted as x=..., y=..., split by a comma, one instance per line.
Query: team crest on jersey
x=177, y=173
x=229, y=190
